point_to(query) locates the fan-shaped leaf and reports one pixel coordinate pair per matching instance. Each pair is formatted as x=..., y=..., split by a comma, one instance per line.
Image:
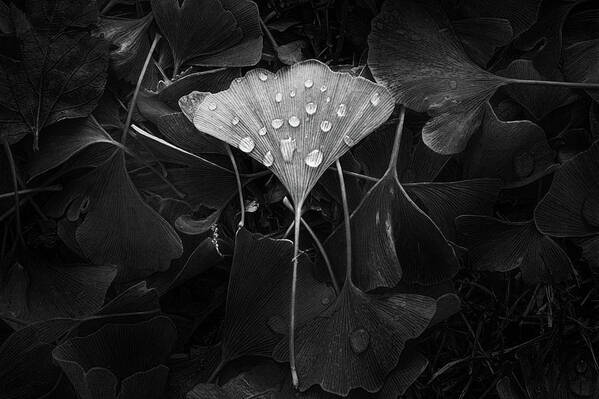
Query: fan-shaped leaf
x=482, y=36
x=521, y=14
x=502, y=246
x=420, y=60
x=358, y=340
x=116, y=225
x=571, y=207
x=516, y=152
x=296, y=122
x=581, y=63
x=127, y=357
x=179, y=131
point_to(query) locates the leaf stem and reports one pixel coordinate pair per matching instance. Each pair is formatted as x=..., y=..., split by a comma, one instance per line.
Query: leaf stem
x=572, y=85
x=348, y=249
x=298, y=217
x=56, y=187
x=357, y=175
x=397, y=142
x=271, y=38
x=239, y=186
x=137, y=88
x=15, y=185
x=216, y=371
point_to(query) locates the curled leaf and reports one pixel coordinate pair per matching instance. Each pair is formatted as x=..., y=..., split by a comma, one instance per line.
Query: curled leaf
x=296, y=122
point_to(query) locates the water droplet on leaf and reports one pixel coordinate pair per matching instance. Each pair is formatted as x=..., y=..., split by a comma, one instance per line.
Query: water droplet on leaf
x=277, y=324
x=359, y=340
x=323, y=88
x=279, y=97
x=292, y=93
x=262, y=131
x=328, y=99
x=246, y=144
x=277, y=123
x=235, y=120
x=314, y=158
x=325, y=126
x=348, y=140
x=341, y=111
x=268, y=159
x=262, y=76
x=287, y=149
x=325, y=300
x=375, y=99
x=294, y=121
x=309, y=83
x=211, y=106
x=311, y=108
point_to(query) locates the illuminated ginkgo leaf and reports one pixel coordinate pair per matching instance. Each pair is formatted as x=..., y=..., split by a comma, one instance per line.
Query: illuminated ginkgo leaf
x=296, y=122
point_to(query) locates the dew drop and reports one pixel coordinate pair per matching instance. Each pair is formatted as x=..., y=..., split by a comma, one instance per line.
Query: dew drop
x=277, y=123
x=287, y=149
x=262, y=131
x=262, y=76
x=246, y=144
x=292, y=93
x=311, y=108
x=341, y=111
x=212, y=106
x=268, y=159
x=359, y=340
x=238, y=80
x=375, y=99
x=235, y=120
x=348, y=140
x=294, y=121
x=328, y=99
x=314, y=158
x=309, y=83
x=323, y=88
x=325, y=126
x=279, y=97
x=325, y=300
x=453, y=84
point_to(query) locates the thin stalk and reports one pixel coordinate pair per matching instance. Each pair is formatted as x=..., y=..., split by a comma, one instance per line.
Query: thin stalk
x=15, y=185
x=216, y=371
x=56, y=187
x=397, y=142
x=271, y=38
x=572, y=85
x=358, y=175
x=239, y=186
x=348, y=251
x=137, y=88
x=297, y=221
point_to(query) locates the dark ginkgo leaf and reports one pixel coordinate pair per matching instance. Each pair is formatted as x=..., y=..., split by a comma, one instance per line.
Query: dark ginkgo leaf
x=358, y=341
x=590, y=251
x=65, y=139
x=257, y=311
x=581, y=63
x=521, y=14
x=210, y=32
x=411, y=365
x=37, y=290
x=115, y=225
x=392, y=240
x=414, y=52
x=482, y=36
x=501, y=246
x=539, y=100
x=296, y=122
x=178, y=130
x=517, y=152
x=571, y=207
x=129, y=38
x=119, y=360
x=68, y=85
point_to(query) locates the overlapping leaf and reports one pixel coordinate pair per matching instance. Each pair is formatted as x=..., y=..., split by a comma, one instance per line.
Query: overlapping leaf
x=414, y=52
x=501, y=246
x=297, y=122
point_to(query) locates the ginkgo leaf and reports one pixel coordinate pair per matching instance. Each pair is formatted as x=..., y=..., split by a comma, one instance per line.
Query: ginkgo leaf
x=517, y=152
x=179, y=131
x=414, y=52
x=119, y=360
x=130, y=44
x=65, y=139
x=358, y=341
x=37, y=290
x=521, y=14
x=296, y=122
x=210, y=32
x=501, y=246
x=581, y=65
x=539, y=101
x=116, y=225
x=67, y=85
x=482, y=36
x=411, y=365
x=571, y=207
x=258, y=296
x=393, y=240
x=55, y=15
x=590, y=251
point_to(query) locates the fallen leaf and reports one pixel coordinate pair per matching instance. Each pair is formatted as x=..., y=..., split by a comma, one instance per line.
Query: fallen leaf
x=581, y=65
x=482, y=36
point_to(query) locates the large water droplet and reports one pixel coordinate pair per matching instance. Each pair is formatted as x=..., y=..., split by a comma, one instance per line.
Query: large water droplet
x=348, y=140
x=341, y=111
x=314, y=158
x=311, y=108
x=328, y=99
x=279, y=97
x=309, y=83
x=294, y=121
x=325, y=126
x=212, y=106
x=453, y=84
x=235, y=120
x=262, y=76
x=292, y=93
x=262, y=131
x=323, y=88
x=287, y=149
x=359, y=340
x=246, y=144
x=375, y=99
x=268, y=159
x=277, y=123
